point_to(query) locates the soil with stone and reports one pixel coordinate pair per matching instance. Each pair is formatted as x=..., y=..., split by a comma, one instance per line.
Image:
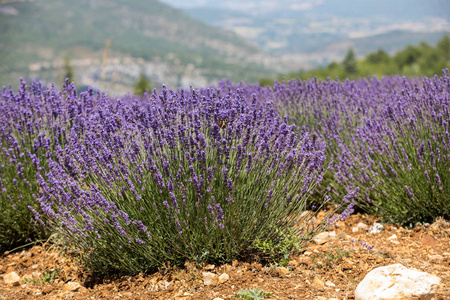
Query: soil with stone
x=331, y=270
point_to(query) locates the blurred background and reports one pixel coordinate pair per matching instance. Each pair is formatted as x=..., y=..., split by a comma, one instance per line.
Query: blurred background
x=129, y=46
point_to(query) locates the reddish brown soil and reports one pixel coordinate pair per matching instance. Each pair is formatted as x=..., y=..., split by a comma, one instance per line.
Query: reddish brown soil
x=318, y=273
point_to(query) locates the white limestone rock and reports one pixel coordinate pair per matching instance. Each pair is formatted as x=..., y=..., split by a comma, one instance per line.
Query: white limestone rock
x=362, y=226
x=324, y=237
x=397, y=282
x=224, y=277
x=376, y=228
x=11, y=278
x=71, y=286
x=210, y=278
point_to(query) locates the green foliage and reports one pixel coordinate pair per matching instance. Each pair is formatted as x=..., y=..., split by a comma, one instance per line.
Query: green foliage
x=69, y=70
x=17, y=226
x=378, y=57
x=420, y=60
x=252, y=294
x=142, y=85
x=349, y=63
x=330, y=258
x=280, y=252
x=48, y=277
x=266, y=82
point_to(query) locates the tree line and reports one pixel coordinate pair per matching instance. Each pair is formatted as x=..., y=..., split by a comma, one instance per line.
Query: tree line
x=420, y=60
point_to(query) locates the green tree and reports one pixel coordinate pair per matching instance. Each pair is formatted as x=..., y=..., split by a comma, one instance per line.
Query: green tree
x=266, y=81
x=68, y=70
x=379, y=57
x=444, y=48
x=350, y=64
x=142, y=85
x=408, y=57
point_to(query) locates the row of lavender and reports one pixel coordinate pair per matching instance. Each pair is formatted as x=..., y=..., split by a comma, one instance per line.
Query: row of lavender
x=207, y=176
x=390, y=138
x=215, y=174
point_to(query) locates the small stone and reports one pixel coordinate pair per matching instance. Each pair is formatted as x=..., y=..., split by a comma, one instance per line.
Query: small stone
x=340, y=224
x=307, y=253
x=305, y=214
x=71, y=286
x=318, y=283
x=329, y=284
x=282, y=272
x=392, y=237
x=33, y=275
x=34, y=267
x=446, y=253
x=355, y=229
x=362, y=226
x=224, y=278
x=210, y=278
x=217, y=298
x=397, y=282
x=323, y=237
x=428, y=240
x=163, y=285
x=210, y=267
x=376, y=228
x=436, y=257
x=11, y=279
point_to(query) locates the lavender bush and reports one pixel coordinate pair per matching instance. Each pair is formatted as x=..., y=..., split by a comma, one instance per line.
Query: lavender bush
x=25, y=122
x=207, y=176
x=389, y=137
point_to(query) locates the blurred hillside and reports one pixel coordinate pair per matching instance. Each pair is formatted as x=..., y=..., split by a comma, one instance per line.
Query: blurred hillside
x=316, y=32
x=140, y=37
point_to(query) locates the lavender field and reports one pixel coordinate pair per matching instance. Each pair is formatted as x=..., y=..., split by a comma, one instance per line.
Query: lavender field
x=218, y=173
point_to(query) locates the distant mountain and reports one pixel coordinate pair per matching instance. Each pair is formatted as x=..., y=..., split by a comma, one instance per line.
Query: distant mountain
x=148, y=37
x=317, y=31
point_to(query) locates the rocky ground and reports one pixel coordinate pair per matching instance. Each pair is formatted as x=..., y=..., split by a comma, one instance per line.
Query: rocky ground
x=327, y=269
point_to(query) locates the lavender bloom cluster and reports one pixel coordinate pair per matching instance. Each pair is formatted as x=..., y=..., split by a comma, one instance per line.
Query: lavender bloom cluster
x=388, y=137
x=173, y=176
x=30, y=121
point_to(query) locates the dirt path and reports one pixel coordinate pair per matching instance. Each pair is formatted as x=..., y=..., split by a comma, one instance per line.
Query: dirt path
x=327, y=271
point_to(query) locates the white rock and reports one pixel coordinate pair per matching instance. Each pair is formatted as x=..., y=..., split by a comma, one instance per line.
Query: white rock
x=210, y=278
x=224, y=278
x=436, y=257
x=71, y=286
x=362, y=226
x=392, y=237
x=11, y=278
x=376, y=228
x=163, y=285
x=329, y=284
x=397, y=282
x=355, y=229
x=323, y=237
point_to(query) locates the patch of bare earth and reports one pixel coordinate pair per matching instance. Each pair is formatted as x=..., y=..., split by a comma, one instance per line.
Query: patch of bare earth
x=327, y=271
